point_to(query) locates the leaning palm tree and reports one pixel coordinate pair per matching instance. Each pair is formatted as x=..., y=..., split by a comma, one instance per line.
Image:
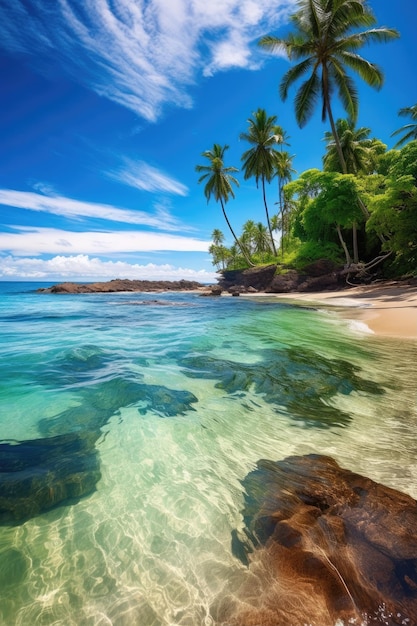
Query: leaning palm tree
x=410, y=130
x=326, y=39
x=219, y=184
x=259, y=160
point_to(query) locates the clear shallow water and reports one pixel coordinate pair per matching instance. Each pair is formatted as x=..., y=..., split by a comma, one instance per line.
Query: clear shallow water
x=183, y=395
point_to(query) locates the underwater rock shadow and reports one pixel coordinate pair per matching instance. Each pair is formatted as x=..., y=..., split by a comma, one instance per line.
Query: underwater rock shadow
x=39, y=474
x=36, y=475
x=300, y=380
x=98, y=403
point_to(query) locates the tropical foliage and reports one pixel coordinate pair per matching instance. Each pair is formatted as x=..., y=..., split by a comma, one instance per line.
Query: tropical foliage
x=360, y=210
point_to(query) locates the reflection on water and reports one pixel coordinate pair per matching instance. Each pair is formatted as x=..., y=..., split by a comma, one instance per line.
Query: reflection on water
x=182, y=400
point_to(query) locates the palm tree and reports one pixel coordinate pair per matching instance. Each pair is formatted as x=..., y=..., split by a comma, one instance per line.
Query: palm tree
x=259, y=161
x=281, y=136
x=218, y=251
x=219, y=183
x=356, y=147
x=410, y=130
x=217, y=237
x=248, y=235
x=359, y=153
x=284, y=172
x=261, y=239
x=326, y=41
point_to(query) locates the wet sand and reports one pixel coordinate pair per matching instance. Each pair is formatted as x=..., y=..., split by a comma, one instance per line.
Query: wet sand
x=388, y=309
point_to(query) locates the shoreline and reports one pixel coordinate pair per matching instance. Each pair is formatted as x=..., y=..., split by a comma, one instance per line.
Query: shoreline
x=388, y=310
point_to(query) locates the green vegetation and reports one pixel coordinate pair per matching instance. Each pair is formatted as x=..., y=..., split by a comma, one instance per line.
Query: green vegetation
x=360, y=209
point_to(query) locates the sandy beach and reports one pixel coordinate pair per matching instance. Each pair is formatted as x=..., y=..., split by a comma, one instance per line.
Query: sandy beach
x=388, y=309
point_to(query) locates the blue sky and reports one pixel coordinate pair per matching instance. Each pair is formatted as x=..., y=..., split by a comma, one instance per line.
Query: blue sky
x=107, y=106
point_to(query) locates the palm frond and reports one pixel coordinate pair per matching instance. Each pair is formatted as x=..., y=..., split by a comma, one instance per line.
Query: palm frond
x=409, y=111
x=369, y=72
x=306, y=99
x=292, y=75
x=346, y=89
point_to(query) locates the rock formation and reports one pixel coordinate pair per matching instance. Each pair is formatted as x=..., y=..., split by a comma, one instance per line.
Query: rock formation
x=119, y=284
x=323, y=544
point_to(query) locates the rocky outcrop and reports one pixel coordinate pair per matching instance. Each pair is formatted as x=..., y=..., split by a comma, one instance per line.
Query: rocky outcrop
x=321, y=275
x=254, y=278
x=118, y=284
x=324, y=544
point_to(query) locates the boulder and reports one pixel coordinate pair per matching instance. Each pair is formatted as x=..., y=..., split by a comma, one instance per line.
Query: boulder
x=214, y=290
x=258, y=278
x=321, y=267
x=323, y=544
x=326, y=282
x=284, y=283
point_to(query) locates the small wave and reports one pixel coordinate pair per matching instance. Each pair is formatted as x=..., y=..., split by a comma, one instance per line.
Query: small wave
x=360, y=327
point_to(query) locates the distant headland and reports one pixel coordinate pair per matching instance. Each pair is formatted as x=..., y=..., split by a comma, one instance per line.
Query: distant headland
x=124, y=284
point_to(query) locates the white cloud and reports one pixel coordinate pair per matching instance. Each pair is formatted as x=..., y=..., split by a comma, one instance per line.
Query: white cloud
x=85, y=268
x=37, y=241
x=140, y=175
x=143, y=53
x=76, y=209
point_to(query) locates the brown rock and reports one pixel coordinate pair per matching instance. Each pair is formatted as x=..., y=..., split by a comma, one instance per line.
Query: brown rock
x=284, y=283
x=119, y=284
x=327, y=544
x=321, y=267
x=258, y=278
x=320, y=283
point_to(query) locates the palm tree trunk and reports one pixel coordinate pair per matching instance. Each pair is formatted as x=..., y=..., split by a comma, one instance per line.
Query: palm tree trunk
x=355, y=243
x=239, y=244
x=267, y=217
x=281, y=212
x=336, y=138
x=344, y=246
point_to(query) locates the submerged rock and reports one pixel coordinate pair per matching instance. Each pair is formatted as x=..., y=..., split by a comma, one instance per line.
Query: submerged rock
x=63, y=466
x=37, y=475
x=323, y=544
x=303, y=382
x=99, y=402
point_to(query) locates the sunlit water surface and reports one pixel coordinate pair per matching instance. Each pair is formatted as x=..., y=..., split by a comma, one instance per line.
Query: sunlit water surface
x=151, y=546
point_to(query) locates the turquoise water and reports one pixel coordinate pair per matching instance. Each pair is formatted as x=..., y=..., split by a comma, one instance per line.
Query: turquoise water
x=177, y=397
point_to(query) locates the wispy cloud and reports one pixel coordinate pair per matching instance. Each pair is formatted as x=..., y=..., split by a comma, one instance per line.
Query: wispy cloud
x=85, y=268
x=76, y=209
x=36, y=241
x=140, y=54
x=140, y=175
